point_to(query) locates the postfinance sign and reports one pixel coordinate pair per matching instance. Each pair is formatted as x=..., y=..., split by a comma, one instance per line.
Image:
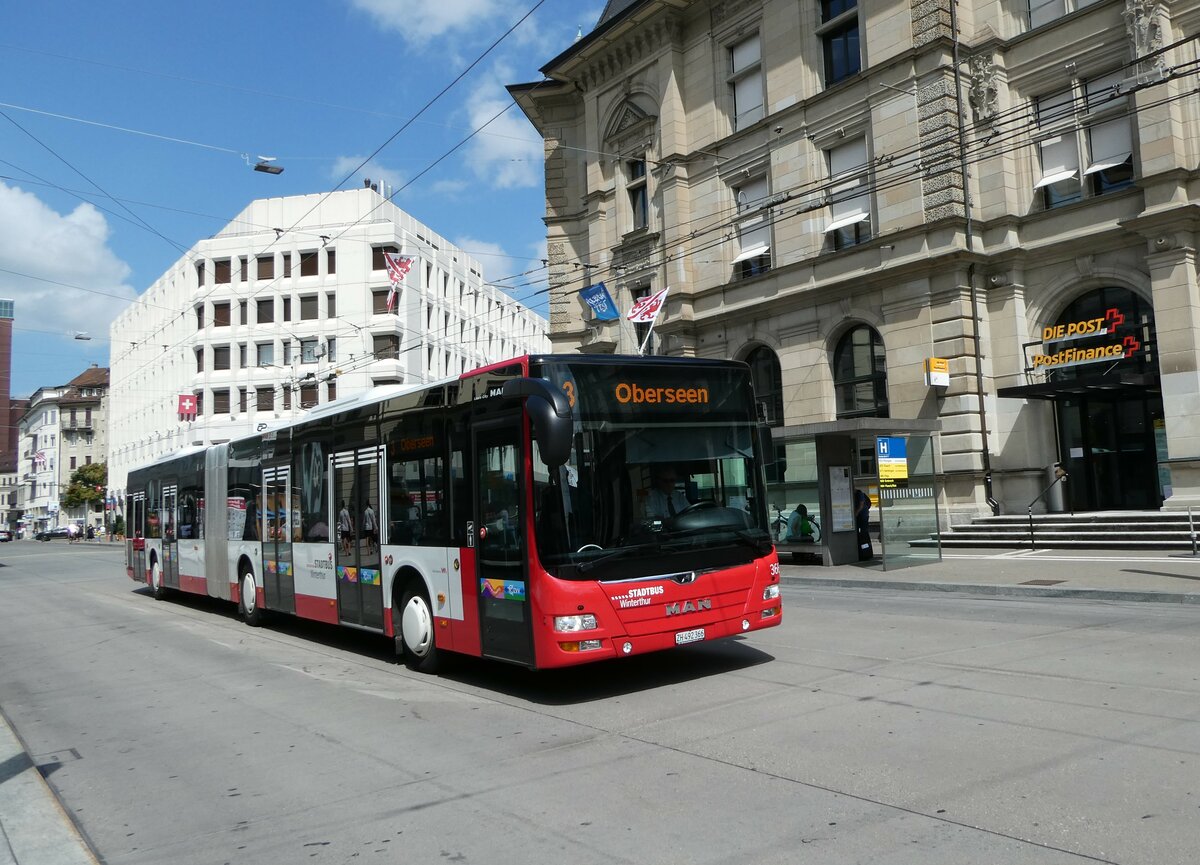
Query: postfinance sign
x=1112, y=348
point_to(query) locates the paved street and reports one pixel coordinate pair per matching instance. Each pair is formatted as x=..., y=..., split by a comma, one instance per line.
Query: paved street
x=875, y=726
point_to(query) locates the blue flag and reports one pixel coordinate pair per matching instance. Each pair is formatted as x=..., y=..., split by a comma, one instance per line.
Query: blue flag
x=597, y=297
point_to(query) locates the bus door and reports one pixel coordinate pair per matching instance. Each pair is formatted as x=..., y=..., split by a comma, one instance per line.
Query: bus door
x=504, y=618
x=168, y=518
x=135, y=535
x=356, y=518
x=279, y=582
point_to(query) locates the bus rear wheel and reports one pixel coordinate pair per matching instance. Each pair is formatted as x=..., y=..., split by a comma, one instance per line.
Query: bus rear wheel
x=248, y=599
x=417, y=646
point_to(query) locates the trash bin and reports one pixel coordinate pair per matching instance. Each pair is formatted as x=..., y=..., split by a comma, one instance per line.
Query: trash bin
x=1055, y=492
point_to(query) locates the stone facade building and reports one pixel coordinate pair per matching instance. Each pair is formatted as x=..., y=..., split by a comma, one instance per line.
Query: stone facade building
x=839, y=192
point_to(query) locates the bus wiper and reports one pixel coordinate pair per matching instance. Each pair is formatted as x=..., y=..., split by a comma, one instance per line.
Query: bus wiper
x=649, y=546
x=761, y=543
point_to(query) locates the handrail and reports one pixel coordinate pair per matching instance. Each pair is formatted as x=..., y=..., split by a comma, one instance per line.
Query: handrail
x=1060, y=475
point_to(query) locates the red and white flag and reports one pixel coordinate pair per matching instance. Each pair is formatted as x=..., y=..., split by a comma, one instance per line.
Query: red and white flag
x=646, y=310
x=39, y=460
x=397, y=268
x=187, y=406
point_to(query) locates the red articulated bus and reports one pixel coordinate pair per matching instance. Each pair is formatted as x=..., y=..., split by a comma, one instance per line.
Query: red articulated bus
x=546, y=511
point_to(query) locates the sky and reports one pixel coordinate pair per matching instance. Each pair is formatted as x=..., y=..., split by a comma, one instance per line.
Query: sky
x=125, y=130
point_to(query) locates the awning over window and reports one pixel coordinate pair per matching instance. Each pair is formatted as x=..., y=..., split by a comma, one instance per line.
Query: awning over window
x=752, y=252
x=1108, y=162
x=1123, y=383
x=1049, y=179
x=845, y=221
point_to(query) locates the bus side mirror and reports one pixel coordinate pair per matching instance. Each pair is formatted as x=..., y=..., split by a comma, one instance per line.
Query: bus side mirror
x=766, y=444
x=550, y=415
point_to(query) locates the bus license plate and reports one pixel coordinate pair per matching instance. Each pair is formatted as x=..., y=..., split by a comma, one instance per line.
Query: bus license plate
x=693, y=636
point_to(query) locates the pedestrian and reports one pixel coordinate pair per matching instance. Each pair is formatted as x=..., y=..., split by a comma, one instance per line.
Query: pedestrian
x=370, y=529
x=862, y=525
x=345, y=527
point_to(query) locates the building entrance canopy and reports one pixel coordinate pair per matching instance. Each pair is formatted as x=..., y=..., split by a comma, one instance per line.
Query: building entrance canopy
x=1112, y=384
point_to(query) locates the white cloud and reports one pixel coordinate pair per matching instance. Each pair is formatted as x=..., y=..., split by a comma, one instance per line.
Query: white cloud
x=508, y=154
x=418, y=21
x=492, y=256
x=450, y=188
x=71, y=249
x=343, y=165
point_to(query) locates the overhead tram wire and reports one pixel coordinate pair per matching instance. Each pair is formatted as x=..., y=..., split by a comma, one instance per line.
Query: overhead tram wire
x=724, y=223
x=379, y=149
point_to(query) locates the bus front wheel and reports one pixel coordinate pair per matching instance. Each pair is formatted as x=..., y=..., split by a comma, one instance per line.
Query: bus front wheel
x=157, y=589
x=417, y=646
x=248, y=599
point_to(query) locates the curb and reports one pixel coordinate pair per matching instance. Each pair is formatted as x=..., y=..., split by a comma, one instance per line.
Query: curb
x=993, y=589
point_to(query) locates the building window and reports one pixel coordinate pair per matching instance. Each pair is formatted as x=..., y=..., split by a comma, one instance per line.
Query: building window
x=287, y=396
x=379, y=301
x=220, y=315
x=377, y=252
x=242, y=400
x=746, y=82
x=1108, y=133
x=220, y=357
x=308, y=395
x=839, y=39
x=200, y=359
x=287, y=265
x=639, y=196
x=1059, y=153
x=220, y=402
x=200, y=317
x=308, y=263
x=287, y=353
x=266, y=353
x=860, y=374
x=767, y=378
x=241, y=355
x=222, y=271
x=331, y=349
x=330, y=262
x=1044, y=11
x=244, y=267
x=199, y=395
x=241, y=312
x=265, y=312
x=200, y=273
x=264, y=398
x=331, y=305
x=287, y=309
x=308, y=350
x=386, y=345
x=754, y=231
x=72, y=462
x=266, y=266
x=331, y=391
x=308, y=308
x=849, y=196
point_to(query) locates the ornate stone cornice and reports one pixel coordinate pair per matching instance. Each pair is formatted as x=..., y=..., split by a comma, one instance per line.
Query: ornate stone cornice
x=628, y=51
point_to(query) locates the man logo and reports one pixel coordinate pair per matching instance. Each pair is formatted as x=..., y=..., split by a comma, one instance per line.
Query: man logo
x=677, y=609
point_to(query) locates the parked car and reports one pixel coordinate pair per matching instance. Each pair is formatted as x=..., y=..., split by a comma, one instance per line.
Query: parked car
x=5, y=535
x=51, y=534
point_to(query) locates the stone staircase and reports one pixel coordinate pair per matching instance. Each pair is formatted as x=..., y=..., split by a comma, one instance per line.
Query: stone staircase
x=1114, y=530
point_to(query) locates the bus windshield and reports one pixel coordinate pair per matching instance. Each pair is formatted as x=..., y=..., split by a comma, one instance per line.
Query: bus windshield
x=648, y=481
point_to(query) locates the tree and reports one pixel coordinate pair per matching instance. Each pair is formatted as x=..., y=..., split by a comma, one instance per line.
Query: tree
x=87, y=487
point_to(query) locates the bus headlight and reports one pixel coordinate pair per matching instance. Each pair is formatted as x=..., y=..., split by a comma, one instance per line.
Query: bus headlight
x=570, y=624
x=771, y=592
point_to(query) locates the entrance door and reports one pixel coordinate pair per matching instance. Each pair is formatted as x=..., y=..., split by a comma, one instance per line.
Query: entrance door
x=169, y=520
x=504, y=619
x=1110, y=452
x=356, y=495
x=279, y=581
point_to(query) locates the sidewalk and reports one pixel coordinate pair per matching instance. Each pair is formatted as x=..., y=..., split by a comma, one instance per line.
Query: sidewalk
x=1115, y=575
x=34, y=829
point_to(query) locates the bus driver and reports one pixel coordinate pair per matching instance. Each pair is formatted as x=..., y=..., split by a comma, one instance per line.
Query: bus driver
x=664, y=500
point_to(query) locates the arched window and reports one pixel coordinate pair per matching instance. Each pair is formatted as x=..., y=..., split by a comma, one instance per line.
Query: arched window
x=1125, y=314
x=768, y=383
x=860, y=374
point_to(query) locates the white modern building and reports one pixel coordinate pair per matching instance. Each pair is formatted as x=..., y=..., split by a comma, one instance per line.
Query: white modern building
x=39, y=435
x=286, y=308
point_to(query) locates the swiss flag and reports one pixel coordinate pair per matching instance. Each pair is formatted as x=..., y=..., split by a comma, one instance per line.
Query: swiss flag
x=187, y=406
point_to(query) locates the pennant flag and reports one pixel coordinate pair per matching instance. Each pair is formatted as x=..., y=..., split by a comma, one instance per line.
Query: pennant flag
x=39, y=459
x=597, y=297
x=187, y=406
x=646, y=310
x=397, y=268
